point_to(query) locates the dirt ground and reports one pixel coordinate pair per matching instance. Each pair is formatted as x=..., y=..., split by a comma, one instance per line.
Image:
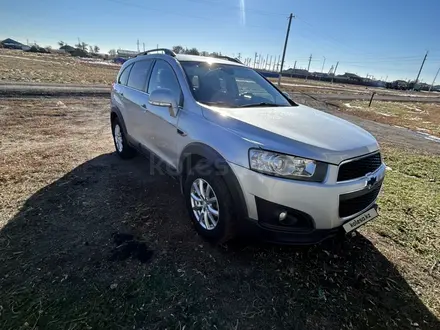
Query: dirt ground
x=69, y=205
x=422, y=117
x=52, y=68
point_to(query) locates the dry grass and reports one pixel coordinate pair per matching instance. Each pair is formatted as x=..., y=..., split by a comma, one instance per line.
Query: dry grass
x=41, y=141
x=52, y=68
x=64, y=193
x=423, y=117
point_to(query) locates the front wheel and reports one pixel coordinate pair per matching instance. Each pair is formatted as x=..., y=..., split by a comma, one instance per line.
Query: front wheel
x=209, y=204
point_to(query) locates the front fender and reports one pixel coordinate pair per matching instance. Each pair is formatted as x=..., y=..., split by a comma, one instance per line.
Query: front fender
x=196, y=151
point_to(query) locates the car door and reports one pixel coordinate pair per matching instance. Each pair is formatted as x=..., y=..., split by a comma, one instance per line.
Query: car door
x=160, y=131
x=119, y=91
x=136, y=97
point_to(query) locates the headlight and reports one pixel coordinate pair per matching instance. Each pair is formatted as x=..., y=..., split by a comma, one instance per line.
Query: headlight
x=286, y=166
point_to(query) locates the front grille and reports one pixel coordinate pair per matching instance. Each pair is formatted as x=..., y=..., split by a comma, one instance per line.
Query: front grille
x=359, y=167
x=351, y=205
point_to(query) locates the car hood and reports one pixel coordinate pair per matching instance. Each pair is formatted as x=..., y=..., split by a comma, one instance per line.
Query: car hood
x=297, y=130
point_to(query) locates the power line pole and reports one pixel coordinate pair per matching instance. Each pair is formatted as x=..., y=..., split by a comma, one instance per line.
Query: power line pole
x=308, y=68
x=285, y=47
x=433, y=82
x=259, y=61
x=278, y=63
x=267, y=59
x=420, y=71
x=143, y=44
x=270, y=61
x=293, y=71
x=322, y=69
x=274, y=63
x=137, y=43
x=334, y=73
x=255, y=60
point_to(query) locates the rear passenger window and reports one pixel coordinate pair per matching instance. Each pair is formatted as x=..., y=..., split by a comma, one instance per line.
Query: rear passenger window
x=123, y=77
x=139, y=74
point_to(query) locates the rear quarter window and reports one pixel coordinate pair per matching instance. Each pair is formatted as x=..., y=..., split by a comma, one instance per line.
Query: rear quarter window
x=123, y=77
x=139, y=74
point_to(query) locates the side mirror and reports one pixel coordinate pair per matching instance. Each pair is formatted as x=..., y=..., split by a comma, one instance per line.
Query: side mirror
x=163, y=97
x=286, y=95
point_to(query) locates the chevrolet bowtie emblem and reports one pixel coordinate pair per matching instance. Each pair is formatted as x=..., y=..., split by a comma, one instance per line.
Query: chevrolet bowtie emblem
x=371, y=180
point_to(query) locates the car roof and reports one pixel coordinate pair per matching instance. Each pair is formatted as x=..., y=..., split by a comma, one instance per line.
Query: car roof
x=197, y=58
x=181, y=58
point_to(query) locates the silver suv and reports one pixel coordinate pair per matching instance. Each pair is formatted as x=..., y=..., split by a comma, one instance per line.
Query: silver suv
x=250, y=160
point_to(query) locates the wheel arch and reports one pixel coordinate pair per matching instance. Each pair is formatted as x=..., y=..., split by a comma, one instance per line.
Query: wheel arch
x=195, y=152
x=116, y=113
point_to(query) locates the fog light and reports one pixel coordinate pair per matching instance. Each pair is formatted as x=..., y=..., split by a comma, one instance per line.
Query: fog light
x=282, y=216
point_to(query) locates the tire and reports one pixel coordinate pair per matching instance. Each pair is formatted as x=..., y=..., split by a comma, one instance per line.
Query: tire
x=224, y=229
x=123, y=149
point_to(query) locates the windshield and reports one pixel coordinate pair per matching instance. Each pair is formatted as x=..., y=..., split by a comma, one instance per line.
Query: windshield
x=230, y=86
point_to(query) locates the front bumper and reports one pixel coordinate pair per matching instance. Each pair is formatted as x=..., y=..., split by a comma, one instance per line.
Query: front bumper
x=320, y=201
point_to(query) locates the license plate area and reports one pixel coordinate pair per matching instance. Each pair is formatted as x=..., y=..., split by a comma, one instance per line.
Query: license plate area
x=360, y=220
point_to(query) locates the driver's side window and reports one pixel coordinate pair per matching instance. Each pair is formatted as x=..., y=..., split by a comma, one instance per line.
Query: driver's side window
x=163, y=76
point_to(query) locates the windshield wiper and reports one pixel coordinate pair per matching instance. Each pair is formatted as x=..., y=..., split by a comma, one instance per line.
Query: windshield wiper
x=219, y=103
x=261, y=104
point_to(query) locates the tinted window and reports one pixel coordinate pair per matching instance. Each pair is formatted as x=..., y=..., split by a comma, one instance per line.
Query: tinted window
x=163, y=76
x=139, y=74
x=230, y=85
x=123, y=77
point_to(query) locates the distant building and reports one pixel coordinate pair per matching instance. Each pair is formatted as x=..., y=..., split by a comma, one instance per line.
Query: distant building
x=68, y=49
x=351, y=76
x=126, y=53
x=12, y=44
x=295, y=72
x=398, y=84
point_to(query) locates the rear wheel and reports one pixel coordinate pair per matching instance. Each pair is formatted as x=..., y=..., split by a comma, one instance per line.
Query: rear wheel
x=123, y=149
x=209, y=204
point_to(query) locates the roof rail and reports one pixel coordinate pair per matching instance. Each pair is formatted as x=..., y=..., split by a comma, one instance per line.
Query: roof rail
x=232, y=59
x=166, y=51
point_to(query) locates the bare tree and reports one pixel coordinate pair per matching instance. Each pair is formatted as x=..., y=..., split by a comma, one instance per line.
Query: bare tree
x=112, y=52
x=61, y=43
x=178, y=49
x=90, y=49
x=82, y=45
x=96, y=49
x=192, y=51
x=204, y=53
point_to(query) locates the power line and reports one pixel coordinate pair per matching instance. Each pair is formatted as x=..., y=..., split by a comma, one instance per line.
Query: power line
x=222, y=4
x=207, y=18
x=352, y=49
